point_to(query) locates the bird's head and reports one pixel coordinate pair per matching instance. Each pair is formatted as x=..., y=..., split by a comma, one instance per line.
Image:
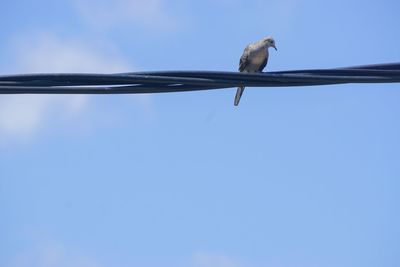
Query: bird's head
x=269, y=42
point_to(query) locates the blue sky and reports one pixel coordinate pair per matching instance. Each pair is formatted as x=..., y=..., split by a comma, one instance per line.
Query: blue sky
x=292, y=177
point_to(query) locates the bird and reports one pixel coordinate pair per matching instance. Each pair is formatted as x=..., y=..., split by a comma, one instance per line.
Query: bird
x=254, y=59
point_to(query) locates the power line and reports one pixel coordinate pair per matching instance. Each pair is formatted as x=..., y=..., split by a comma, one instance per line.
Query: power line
x=179, y=81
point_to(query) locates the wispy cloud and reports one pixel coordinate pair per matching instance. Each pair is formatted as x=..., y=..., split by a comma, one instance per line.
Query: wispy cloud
x=206, y=259
x=273, y=16
x=50, y=255
x=46, y=52
x=105, y=14
x=22, y=115
x=56, y=254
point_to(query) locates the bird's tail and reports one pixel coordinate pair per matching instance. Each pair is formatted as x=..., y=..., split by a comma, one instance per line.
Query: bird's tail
x=239, y=93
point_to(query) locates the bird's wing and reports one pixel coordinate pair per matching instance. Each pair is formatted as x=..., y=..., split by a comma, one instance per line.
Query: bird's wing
x=244, y=59
x=262, y=66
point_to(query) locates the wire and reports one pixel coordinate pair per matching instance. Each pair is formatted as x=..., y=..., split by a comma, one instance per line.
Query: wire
x=179, y=81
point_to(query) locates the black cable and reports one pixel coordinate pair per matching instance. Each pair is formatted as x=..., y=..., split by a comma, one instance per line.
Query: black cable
x=179, y=81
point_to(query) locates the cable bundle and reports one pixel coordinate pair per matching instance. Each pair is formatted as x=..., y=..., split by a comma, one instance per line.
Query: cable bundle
x=179, y=81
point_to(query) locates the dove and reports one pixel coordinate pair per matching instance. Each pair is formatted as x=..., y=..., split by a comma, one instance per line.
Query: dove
x=254, y=59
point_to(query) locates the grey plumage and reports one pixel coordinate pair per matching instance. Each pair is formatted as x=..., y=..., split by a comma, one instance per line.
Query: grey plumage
x=254, y=59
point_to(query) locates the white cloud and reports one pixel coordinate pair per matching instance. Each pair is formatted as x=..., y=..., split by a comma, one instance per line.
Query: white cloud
x=47, y=53
x=272, y=16
x=281, y=13
x=108, y=14
x=22, y=115
x=205, y=259
x=51, y=255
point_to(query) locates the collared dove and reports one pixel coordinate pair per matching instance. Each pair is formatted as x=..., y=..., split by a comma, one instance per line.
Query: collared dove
x=254, y=59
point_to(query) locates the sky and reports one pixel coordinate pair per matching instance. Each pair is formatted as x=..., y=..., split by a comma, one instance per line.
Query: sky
x=293, y=177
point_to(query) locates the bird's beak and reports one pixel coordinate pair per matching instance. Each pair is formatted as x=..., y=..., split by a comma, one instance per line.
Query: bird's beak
x=275, y=47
